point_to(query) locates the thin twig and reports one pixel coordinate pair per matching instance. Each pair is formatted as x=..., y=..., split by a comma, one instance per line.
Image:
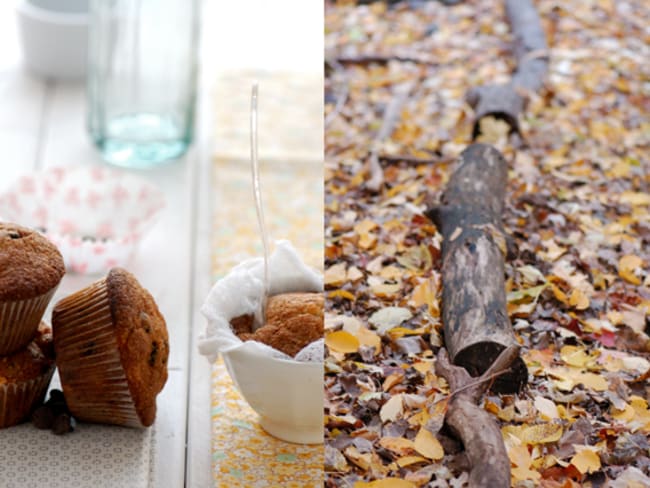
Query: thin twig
x=386, y=58
x=342, y=97
x=391, y=117
x=405, y=158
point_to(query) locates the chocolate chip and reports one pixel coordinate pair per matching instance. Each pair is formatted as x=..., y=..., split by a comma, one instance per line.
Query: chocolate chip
x=9, y=234
x=43, y=417
x=154, y=353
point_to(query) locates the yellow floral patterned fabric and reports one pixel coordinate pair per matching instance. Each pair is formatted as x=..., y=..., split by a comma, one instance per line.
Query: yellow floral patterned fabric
x=243, y=454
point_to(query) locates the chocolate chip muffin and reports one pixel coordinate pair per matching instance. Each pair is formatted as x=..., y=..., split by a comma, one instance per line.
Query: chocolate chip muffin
x=31, y=268
x=293, y=320
x=25, y=377
x=112, y=347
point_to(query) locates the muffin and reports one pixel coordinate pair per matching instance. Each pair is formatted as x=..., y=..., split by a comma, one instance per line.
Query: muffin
x=112, y=346
x=31, y=268
x=24, y=378
x=293, y=320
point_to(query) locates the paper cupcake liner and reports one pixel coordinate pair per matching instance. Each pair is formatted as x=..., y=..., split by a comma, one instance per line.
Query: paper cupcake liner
x=19, y=321
x=94, y=215
x=17, y=400
x=93, y=379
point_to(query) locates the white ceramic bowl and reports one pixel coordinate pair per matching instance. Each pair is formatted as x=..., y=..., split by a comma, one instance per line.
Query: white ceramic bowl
x=286, y=394
x=54, y=37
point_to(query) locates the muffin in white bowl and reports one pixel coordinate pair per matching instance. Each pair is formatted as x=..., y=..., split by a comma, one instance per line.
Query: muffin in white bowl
x=285, y=390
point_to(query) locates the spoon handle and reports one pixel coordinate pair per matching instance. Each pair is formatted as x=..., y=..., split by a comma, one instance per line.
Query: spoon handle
x=257, y=192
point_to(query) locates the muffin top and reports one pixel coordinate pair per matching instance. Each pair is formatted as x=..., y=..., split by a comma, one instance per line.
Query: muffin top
x=141, y=338
x=293, y=320
x=31, y=361
x=30, y=265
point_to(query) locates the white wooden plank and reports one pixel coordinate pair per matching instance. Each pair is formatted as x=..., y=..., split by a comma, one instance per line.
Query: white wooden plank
x=22, y=104
x=199, y=419
x=162, y=264
x=169, y=447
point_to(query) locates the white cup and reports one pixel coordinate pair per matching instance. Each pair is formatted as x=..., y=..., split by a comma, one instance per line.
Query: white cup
x=54, y=36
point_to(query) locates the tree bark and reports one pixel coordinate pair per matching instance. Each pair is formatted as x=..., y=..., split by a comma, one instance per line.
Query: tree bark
x=477, y=429
x=474, y=316
x=507, y=101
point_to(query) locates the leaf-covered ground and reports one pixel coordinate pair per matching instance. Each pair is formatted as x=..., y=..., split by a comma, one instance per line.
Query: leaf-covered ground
x=578, y=208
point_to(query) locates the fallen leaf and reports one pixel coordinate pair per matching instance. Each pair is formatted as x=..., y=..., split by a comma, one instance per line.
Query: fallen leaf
x=534, y=434
x=392, y=409
x=386, y=318
x=427, y=445
x=341, y=294
x=628, y=265
x=341, y=341
x=335, y=275
x=410, y=460
x=398, y=445
x=361, y=460
x=546, y=408
x=369, y=338
x=634, y=198
x=578, y=300
x=586, y=460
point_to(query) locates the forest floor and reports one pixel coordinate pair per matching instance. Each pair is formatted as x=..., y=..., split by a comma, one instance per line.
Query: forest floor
x=577, y=206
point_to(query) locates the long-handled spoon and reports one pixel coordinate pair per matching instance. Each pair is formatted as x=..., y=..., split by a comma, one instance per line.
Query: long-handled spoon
x=257, y=193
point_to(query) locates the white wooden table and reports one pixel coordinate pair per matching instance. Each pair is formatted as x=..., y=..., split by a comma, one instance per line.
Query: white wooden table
x=42, y=124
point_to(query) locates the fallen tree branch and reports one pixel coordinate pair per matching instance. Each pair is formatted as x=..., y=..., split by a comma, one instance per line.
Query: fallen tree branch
x=474, y=314
x=390, y=119
x=507, y=101
x=476, y=428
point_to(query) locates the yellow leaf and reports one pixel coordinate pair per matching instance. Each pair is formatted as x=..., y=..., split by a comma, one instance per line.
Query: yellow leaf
x=392, y=380
x=586, y=460
x=534, y=434
x=542, y=433
x=635, y=198
x=424, y=293
x=627, y=266
x=386, y=290
x=427, y=445
x=520, y=474
x=335, y=275
x=423, y=366
x=385, y=483
x=354, y=274
x=398, y=445
x=578, y=300
x=363, y=229
x=409, y=460
x=392, y=409
x=546, y=408
x=361, y=460
x=519, y=456
x=575, y=356
x=369, y=338
x=391, y=272
x=341, y=341
x=593, y=381
x=559, y=294
x=341, y=294
x=399, y=332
